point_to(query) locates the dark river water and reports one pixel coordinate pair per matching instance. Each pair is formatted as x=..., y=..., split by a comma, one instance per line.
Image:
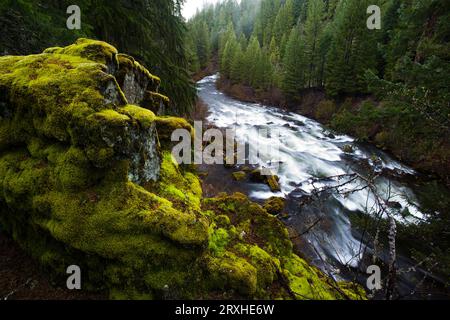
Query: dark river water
x=303, y=153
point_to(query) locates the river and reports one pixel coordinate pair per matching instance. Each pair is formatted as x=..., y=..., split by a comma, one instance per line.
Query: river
x=307, y=154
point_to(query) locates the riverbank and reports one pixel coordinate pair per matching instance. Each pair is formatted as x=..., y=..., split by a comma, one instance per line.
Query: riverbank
x=369, y=120
x=424, y=241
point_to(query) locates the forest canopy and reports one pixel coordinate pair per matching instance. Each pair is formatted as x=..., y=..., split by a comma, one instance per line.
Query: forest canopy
x=292, y=47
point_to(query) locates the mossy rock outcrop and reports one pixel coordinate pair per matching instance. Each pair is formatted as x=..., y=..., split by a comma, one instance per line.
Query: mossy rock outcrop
x=270, y=180
x=274, y=205
x=87, y=179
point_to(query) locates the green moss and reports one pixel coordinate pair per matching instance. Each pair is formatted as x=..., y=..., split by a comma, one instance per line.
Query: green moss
x=155, y=101
x=263, y=242
x=266, y=265
x=274, y=205
x=272, y=182
x=97, y=51
x=110, y=117
x=145, y=117
x=348, y=148
x=179, y=186
x=167, y=125
x=218, y=240
x=128, y=64
x=239, y=176
x=232, y=272
x=68, y=142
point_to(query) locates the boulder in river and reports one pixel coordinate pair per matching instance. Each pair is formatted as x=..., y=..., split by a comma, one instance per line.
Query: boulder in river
x=239, y=175
x=274, y=205
x=271, y=180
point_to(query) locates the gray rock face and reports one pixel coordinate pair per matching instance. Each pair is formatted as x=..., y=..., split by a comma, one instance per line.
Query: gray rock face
x=134, y=86
x=132, y=142
x=145, y=156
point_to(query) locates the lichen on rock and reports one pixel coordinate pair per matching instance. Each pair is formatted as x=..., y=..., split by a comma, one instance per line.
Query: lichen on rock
x=87, y=178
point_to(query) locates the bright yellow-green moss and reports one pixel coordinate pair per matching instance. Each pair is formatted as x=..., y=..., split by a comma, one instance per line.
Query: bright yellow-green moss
x=110, y=117
x=266, y=265
x=130, y=63
x=274, y=205
x=183, y=188
x=232, y=272
x=218, y=240
x=239, y=176
x=159, y=96
x=155, y=101
x=272, y=182
x=145, y=117
x=167, y=125
x=306, y=282
x=263, y=242
x=97, y=51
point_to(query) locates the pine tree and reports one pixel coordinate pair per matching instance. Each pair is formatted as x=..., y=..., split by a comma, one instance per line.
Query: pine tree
x=251, y=59
x=191, y=53
x=284, y=20
x=265, y=71
x=418, y=64
x=353, y=49
x=275, y=62
x=237, y=64
x=283, y=43
x=228, y=54
x=294, y=65
x=203, y=43
x=226, y=37
x=313, y=35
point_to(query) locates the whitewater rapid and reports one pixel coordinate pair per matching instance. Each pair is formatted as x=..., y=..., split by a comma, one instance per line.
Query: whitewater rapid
x=307, y=150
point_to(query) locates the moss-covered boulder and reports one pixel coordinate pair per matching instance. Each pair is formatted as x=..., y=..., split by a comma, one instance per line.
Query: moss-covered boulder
x=239, y=175
x=87, y=178
x=253, y=255
x=274, y=205
x=272, y=181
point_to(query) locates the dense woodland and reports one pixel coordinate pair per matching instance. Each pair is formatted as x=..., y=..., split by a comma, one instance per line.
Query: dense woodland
x=388, y=86
x=378, y=84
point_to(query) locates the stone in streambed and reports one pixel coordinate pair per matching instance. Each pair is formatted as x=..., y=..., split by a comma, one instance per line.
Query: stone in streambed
x=239, y=175
x=271, y=180
x=274, y=205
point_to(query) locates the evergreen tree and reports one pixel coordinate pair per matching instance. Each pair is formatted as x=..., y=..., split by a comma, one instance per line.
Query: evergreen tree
x=265, y=71
x=227, y=55
x=237, y=64
x=251, y=59
x=275, y=62
x=313, y=35
x=191, y=53
x=419, y=64
x=353, y=49
x=284, y=20
x=203, y=43
x=294, y=65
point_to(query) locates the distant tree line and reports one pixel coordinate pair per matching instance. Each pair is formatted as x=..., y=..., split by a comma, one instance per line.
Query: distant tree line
x=298, y=44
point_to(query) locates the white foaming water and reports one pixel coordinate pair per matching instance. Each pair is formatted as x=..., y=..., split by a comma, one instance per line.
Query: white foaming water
x=306, y=152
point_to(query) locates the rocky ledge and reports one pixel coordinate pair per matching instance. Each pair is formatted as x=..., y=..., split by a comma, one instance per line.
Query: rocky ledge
x=86, y=178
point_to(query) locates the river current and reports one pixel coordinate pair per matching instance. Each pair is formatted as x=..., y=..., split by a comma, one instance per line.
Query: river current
x=307, y=154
